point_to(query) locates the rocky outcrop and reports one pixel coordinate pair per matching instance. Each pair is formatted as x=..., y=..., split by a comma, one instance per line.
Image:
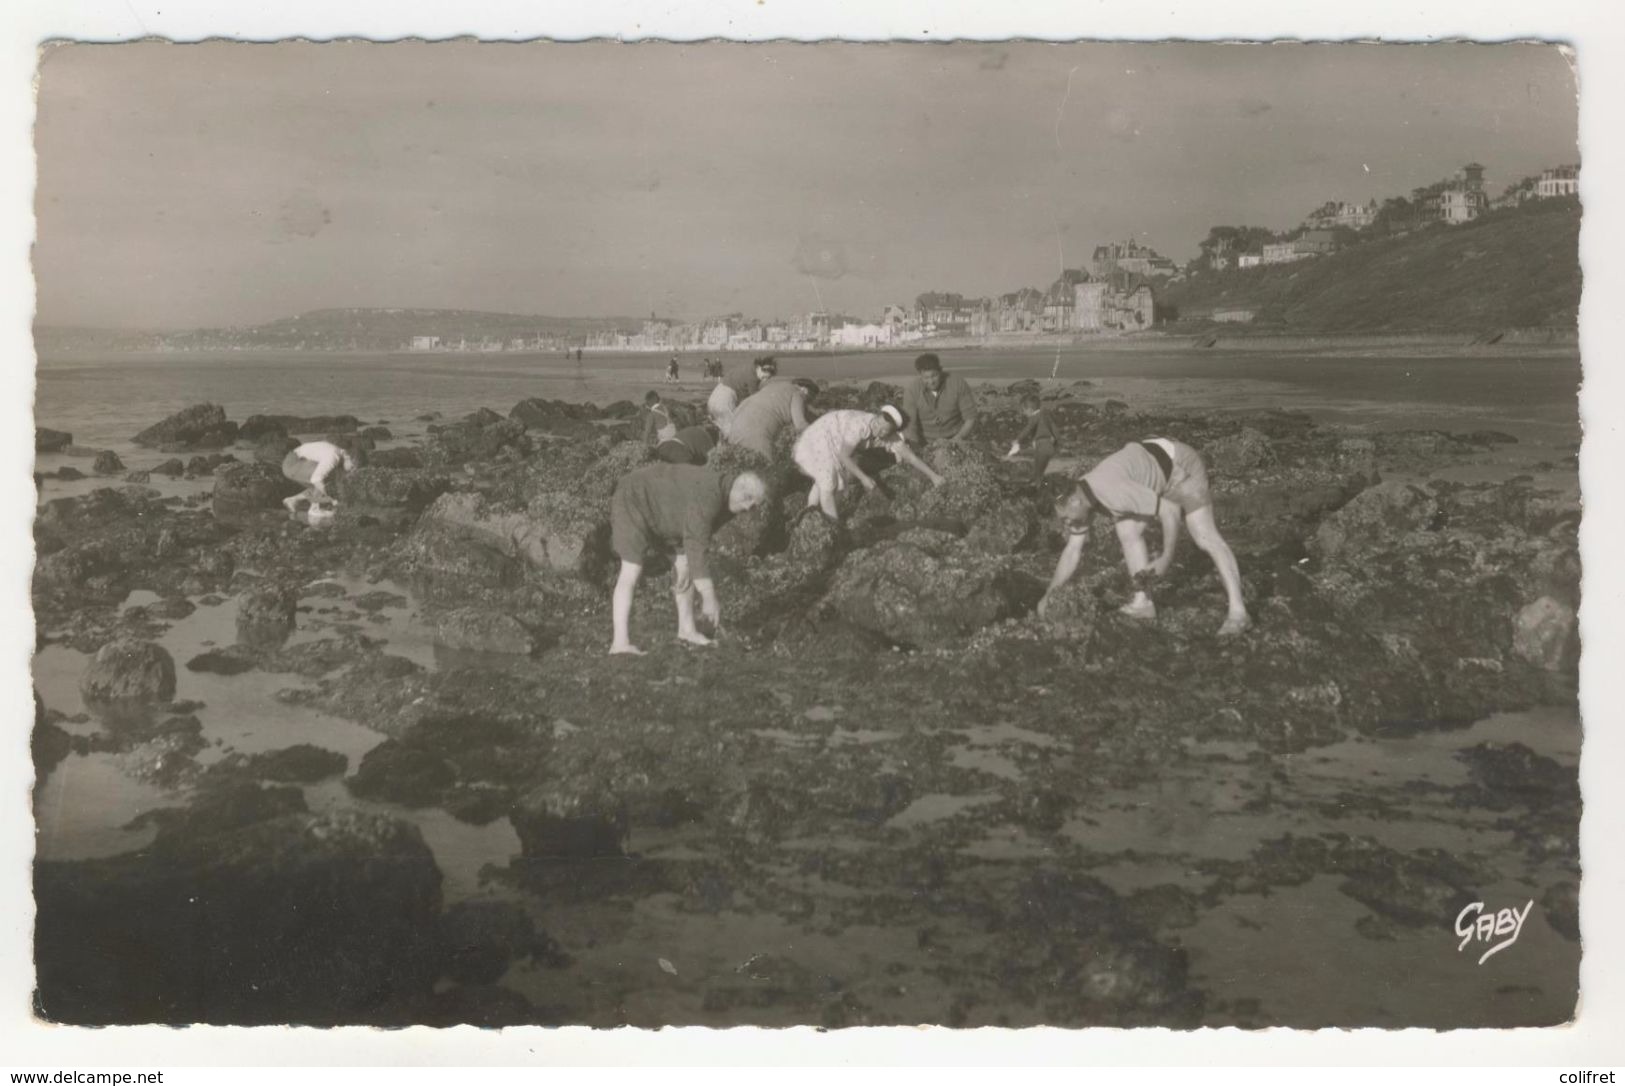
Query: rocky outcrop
x=243, y=489
x=1546, y=633
x=392, y=487
x=299, y=919
x=107, y=463
x=265, y=616
x=129, y=673
x=47, y=440
x=201, y=426
x=477, y=629
x=923, y=591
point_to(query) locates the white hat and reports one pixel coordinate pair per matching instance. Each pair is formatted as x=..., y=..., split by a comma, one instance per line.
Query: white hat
x=894, y=414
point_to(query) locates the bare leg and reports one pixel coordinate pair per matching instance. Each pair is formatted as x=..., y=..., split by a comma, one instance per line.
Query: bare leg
x=1131, y=535
x=621, y=609
x=1205, y=534
x=826, y=501
x=682, y=587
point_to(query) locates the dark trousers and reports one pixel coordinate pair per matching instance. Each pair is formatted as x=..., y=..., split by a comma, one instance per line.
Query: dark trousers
x=675, y=452
x=1043, y=453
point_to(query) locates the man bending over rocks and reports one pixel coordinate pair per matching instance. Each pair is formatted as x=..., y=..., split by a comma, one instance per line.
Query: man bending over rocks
x=673, y=507
x=1145, y=480
x=312, y=464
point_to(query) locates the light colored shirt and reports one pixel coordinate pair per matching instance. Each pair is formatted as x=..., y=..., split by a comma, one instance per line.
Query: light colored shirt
x=326, y=456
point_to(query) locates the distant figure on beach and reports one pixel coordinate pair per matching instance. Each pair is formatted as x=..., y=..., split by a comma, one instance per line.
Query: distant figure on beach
x=1156, y=479
x=1038, y=434
x=689, y=445
x=311, y=465
x=826, y=450
x=672, y=375
x=673, y=507
x=758, y=421
x=940, y=406
x=658, y=424
x=735, y=388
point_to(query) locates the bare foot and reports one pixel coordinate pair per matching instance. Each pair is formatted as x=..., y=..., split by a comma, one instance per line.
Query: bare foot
x=696, y=638
x=1144, y=611
x=625, y=650
x=1235, y=624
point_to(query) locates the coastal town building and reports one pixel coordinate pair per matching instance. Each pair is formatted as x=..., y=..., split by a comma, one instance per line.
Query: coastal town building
x=1342, y=213
x=1282, y=252
x=1460, y=199
x=1558, y=181
x=1132, y=257
x=425, y=343
x=1249, y=260
x=1234, y=316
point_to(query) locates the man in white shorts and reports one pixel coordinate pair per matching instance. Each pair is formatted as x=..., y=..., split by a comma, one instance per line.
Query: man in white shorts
x=1156, y=479
x=311, y=465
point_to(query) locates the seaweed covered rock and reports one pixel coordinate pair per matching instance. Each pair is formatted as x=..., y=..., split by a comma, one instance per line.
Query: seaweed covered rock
x=265, y=616
x=256, y=427
x=201, y=426
x=928, y=596
x=129, y=672
x=478, y=629
x=107, y=463
x=556, y=417
x=570, y=819
x=477, y=438
x=47, y=440
x=1546, y=634
x=392, y=487
x=241, y=489
x=312, y=919
x=272, y=448
x=1378, y=518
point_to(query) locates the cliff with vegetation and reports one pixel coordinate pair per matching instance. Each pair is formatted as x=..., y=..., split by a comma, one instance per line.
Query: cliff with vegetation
x=1512, y=268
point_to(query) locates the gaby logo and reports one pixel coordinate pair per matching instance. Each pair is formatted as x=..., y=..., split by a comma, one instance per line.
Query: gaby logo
x=1475, y=924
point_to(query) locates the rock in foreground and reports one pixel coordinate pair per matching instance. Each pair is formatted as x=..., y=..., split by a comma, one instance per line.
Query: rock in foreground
x=319, y=920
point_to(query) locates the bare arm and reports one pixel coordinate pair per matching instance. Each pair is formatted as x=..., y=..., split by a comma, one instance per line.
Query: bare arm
x=853, y=470
x=1171, y=516
x=908, y=456
x=1071, y=555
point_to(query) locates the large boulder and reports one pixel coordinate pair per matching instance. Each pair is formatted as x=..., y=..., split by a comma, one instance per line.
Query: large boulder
x=107, y=463
x=201, y=426
x=301, y=919
x=555, y=417
x=127, y=672
x=265, y=616
x=47, y=440
x=923, y=590
x=1546, y=634
x=475, y=439
x=256, y=427
x=248, y=488
x=1378, y=518
x=567, y=820
x=392, y=487
x=273, y=448
x=477, y=629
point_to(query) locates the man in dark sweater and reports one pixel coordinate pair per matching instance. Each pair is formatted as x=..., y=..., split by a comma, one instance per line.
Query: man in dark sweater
x=673, y=507
x=939, y=406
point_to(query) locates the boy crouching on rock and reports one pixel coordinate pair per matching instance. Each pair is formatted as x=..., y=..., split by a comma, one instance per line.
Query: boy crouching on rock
x=1144, y=480
x=673, y=507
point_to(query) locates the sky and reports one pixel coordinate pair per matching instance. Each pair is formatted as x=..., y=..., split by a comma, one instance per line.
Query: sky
x=229, y=184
